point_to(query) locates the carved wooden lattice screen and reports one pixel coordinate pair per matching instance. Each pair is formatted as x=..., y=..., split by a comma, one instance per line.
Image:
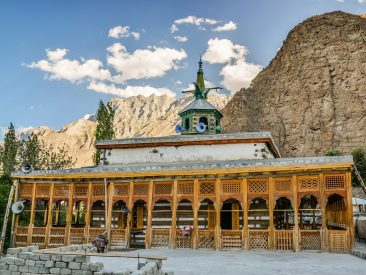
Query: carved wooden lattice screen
x=76, y=235
x=57, y=236
x=43, y=191
x=185, y=187
x=308, y=183
x=338, y=241
x=231, y=186
x=284, y=240
x=160, y=237
x=258, y=186
x=140, y=216
x=61, y=190
x=335, y=181
x=141, y=189
x=231, y=239
x=25, y=190
x=207, y=187
x=98, y=190
x=121, y=189
x=310, y=240
x=282, y=185
x=258, y=239
x=163, y=188
x=80, y=191
x=235, y=216
x=206, y=238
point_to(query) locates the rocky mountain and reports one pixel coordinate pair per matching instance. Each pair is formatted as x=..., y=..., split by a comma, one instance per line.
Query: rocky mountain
x=135, y=117
x=312, y=95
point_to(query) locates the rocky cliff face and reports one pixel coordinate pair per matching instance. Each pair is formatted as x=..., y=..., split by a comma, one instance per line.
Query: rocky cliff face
x=135, y=117
x=312, y=95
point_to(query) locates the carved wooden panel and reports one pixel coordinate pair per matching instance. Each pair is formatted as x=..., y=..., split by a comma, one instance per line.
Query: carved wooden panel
x=258, y=239
x=80, y=190
x=282, y=184
x=163, y=188
x=310, y=240
x=338, y=241
x=118, y=236
x=57, y=236
x=183, y=241
x=25, y=190
x=207, y=187
x=141, y=189
x=43, y=190
x=335, y=181
x=206, y=239
x=98, y=190
x=308, y=183
x=231, y=186
x=235, y=216
x=284, y=240
x=258, y=186
x=121, y=189
x=61, y=190
x=185, y=187
x=76, y=235
x=231, y=239
x=160, y=238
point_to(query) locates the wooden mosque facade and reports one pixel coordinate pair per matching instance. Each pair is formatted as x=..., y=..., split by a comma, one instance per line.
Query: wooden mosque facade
x=197, y=190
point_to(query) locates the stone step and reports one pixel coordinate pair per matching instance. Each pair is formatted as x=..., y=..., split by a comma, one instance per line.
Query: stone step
x=359, y=253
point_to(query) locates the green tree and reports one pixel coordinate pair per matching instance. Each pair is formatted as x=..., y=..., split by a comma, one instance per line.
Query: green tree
x=333, y=152
x=359, y=158
x=9, y=151
x=104, y=130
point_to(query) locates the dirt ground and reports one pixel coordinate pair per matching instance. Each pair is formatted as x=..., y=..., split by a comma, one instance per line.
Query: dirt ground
x=199, y=262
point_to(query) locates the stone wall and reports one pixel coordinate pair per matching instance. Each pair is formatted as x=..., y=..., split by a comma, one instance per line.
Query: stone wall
x=31, y=261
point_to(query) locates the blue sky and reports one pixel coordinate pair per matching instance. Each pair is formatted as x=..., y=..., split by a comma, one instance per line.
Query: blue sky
x=58, y=58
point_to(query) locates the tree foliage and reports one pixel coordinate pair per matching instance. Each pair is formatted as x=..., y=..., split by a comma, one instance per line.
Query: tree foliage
x=9, y=151
x=333, y=152
x=104, y=130
x=359, y=158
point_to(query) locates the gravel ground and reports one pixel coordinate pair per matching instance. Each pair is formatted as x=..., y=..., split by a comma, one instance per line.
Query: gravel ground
x=197, y=262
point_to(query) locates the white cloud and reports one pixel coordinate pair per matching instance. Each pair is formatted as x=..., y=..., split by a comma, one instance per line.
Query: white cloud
x=143, y=63
x=174, y=28
x=59, y=67
x=231, y=26
x=236, y=72
x=221, y=51
x=362, y=1
x=342, y=1
x=123, y=31
x=195, y=21
x=181, y=38
x=239, y=75
x=129, y=90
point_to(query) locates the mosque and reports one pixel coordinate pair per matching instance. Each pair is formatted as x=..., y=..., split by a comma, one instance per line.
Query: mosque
x=200, y=189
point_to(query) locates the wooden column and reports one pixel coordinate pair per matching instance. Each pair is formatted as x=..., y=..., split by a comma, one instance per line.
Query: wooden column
x=295, y=205
x=245, y=208
x=15, y=218
x=173, y=230
x=129, y=215
x=218, y=218
x=110, y=207
x=49, y=216
x=69, y=214
x=195, y=213
x=31, y=221
x=88, y=214
x=149, y=215
x=323, y=205
x=271, y=230
x=351, y=241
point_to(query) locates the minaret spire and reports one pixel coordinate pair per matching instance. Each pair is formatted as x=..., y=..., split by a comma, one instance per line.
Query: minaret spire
x=200, y=78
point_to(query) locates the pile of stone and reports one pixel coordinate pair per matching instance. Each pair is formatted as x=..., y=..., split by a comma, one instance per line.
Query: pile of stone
x=29, y=260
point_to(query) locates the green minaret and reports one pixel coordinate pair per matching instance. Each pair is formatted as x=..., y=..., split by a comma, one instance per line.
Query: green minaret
x=200, y=117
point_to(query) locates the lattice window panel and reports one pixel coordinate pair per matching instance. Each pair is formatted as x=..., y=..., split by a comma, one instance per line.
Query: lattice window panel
x=335, y=181
x=160, y=238
x=26, y=190
x=183, y=242
x=43, y=191
x=308, y=183
x=121, y=189
x=282, y=184
x=163, y=188
x=61, y=191
x=258, y=186
x=80, y=190
x=22, y=230
x=141, y=189
x=59, y=240
x=38, y=239
x=20, y=239
x=95, y=232
x=231, y=186
x=338, y=242
x=185, y=187
x=231, y=240
x=284, y=240
x=118, y=236
x=310, y=240
x=76, y=235
x=207, y=187
x=258, y=240
x=57, y=231
x=206, y=239
x=98, y=190
x=39, y=231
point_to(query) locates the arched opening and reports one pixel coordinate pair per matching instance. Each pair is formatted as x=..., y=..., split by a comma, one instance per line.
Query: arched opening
x=24, y=216
x=283, y=214
x=78, y=214
x=97, y=215
x=119, y=217
x=258, y=214
x=186, y=123
x=204, y=120
x=310, y=215
x=139, y=224
x=184, y=223
x=336, y=212
x=162, y=215
x=59, y=213
x=206, y=215
x=41, y=213
x=231, y=215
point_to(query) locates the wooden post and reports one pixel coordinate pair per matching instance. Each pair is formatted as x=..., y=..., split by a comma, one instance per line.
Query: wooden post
x=106, y=205
x=218, y=218
x=323, y=205
x=351, y=241
x=49, y=216
x=15, y=218
x=129, y=214
x=88, y=213
x=271, y=230
x=174, y=216
x=149, y=215
x=245, y=208
x=69, y=215
x=295, y=206
x=195, y=213
x=32, y=213
x=110, y=208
